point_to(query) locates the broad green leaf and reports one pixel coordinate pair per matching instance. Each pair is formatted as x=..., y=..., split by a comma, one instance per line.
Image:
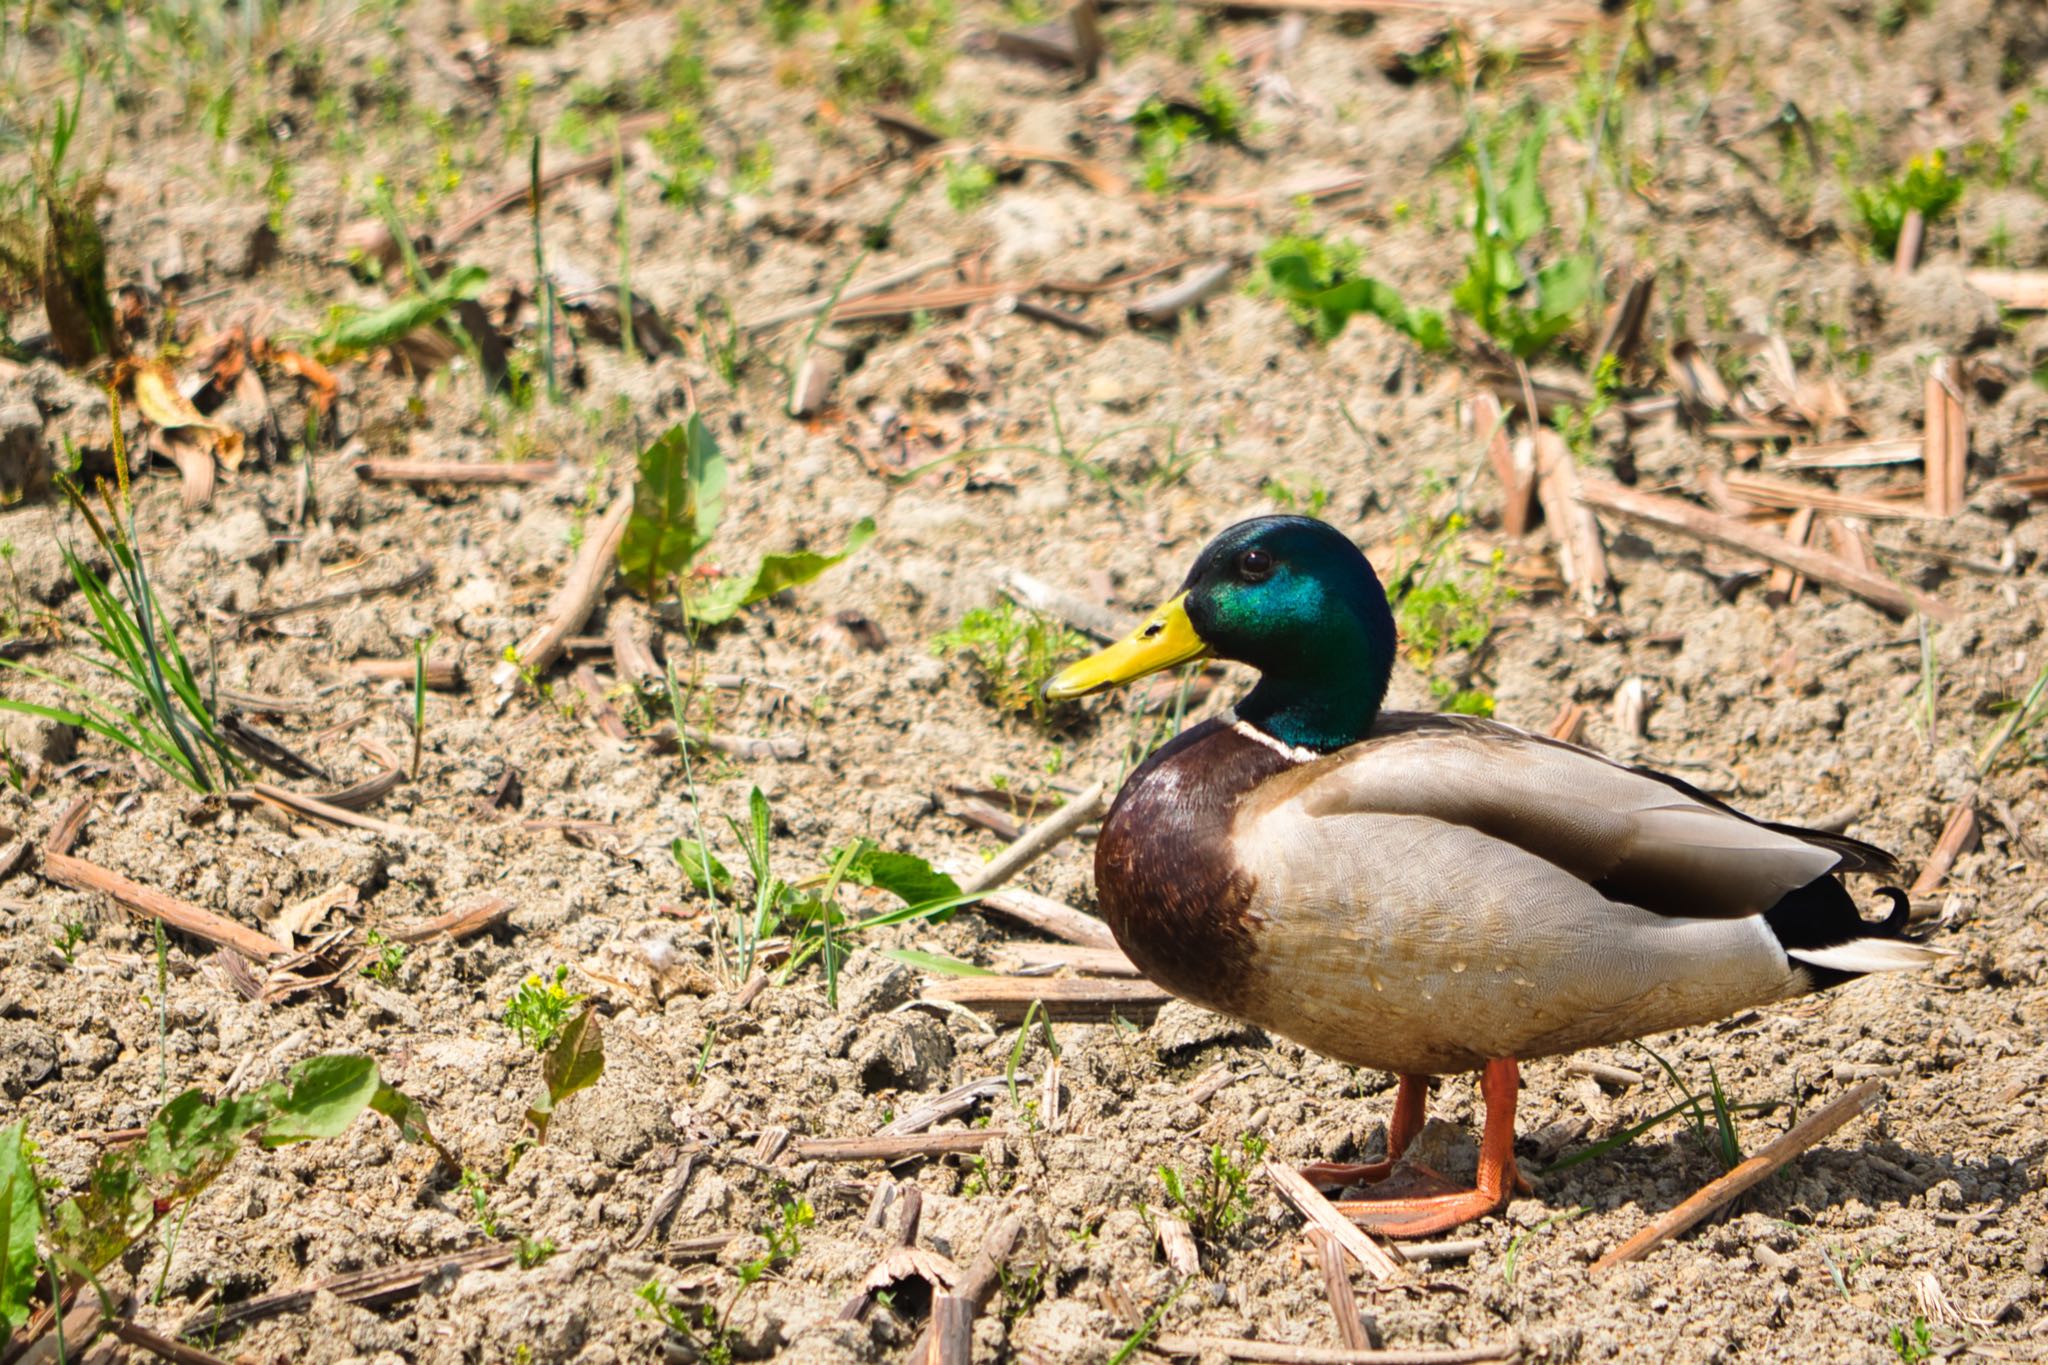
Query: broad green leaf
x=904, y=875
x=1565, y=285
x=1424, y=326
x=20, y=1219
x=722, y=601
x=935, y=962
x=404, y=1111
x=327, y=1094
x=702, y=870
x=1524, y=212
x=574, y=1063
x=395, y=321
x=678, y=499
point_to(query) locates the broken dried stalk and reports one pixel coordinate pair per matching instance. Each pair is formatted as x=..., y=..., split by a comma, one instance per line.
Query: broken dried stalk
x=1337, y=1288
x=1716, y=529
x=456, y=471
x=895, y=1148
x=1582, y=556
x=442, y=675
x=456, y=924
x=183, y=916
x=1762, y=490
x=1038, y=840
x=1078, y=1000
x=2026, y=289
x=1947, y=434
x=1750, y=1173
x=1958, y=836
x=573, y=603
x=1049, y=916
x=1320, y=1212
x=1280, y=1353
x=1785, y=584
x=1512, y=461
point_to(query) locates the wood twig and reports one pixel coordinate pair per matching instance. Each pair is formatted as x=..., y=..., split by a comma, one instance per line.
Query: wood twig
x=1048, y=916
x=1032, y=959
x=1717, y=529
x=422, y=574
x=952, y=1330
x=154, y=904
x=895, y=1148
x=1958, y=836
x=1763, y=490
x=1784, y=585
x=162, y=1347
x=1280, y=1353
x=939, y=1108
x=2023, y=289
x=1582, y=556
x=1197, y=286
x=1038, y=840
x=443, y=675
x=1718, y=1193
x=1080, y=1000
x=1035, y=594
x=373, y=1288
x=314, y=808
x=982, y=1277
x=1320, y=1212
x=1947, y=434
x=467, y=472
x=1351, y=1329
x=456, y=924
x=1912, y=236
x=573, y=602
x=1512, y=463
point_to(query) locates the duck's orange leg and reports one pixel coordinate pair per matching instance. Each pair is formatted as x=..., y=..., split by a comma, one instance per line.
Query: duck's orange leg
x=1409, y=1101
x=1424, y=1215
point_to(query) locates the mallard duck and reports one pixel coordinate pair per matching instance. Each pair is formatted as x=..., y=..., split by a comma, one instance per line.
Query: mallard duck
x=1430, y=894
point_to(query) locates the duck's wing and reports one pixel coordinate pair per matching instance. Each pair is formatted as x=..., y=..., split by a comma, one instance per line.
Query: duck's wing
x=1637, y=837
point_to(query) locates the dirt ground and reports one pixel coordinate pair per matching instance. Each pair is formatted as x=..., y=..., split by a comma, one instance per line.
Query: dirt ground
x=1716, y=147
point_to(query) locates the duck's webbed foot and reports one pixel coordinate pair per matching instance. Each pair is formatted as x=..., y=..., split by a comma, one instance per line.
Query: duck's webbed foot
x=1420, y=1203
x=1409, y=1102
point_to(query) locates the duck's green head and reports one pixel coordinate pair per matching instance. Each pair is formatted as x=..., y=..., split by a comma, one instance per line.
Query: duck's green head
x=1292, y=597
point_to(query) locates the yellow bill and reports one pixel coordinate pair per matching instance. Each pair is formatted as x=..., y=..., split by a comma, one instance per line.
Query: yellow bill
x=1167, y=638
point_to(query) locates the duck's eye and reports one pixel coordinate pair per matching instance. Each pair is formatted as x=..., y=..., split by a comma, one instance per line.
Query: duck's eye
x=1254, y=565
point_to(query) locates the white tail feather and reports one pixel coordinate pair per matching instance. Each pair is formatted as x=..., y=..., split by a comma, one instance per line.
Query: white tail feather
x=1870, y=955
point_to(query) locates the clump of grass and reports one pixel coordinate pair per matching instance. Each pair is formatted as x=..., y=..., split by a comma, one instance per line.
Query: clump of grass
x=707, y=1328
x=1523, y=310
x=162, y=715
x=1014, y=653
x=539, y=1009
x=1445, y=608
x=1165, y=128
x=387, y=958
x=1926, y=184
x=1218, y=1196
x=890, y=49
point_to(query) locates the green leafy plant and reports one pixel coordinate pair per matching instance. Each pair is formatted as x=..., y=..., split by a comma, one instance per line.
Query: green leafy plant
x=387, y=958
x=69, y=937
x=1164, y=128
x=678, y=501
x=478, y=1188
x=1926, y=184
x=183, y=1149
x=1218, y=1197
x=708, y=1329
x=574, y=1063
x=1523, y=311
x=1442, y=607
x=166, y=720
x=539, y=1008
x=534, y=1251
x=807, y=909
x=1912, y=1341
x=353, y=331
x=1014, y=653
x=890, y=49
x=969, y=183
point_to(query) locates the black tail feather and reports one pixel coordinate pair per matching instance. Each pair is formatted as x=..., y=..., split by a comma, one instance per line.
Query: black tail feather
x=1822, y=914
